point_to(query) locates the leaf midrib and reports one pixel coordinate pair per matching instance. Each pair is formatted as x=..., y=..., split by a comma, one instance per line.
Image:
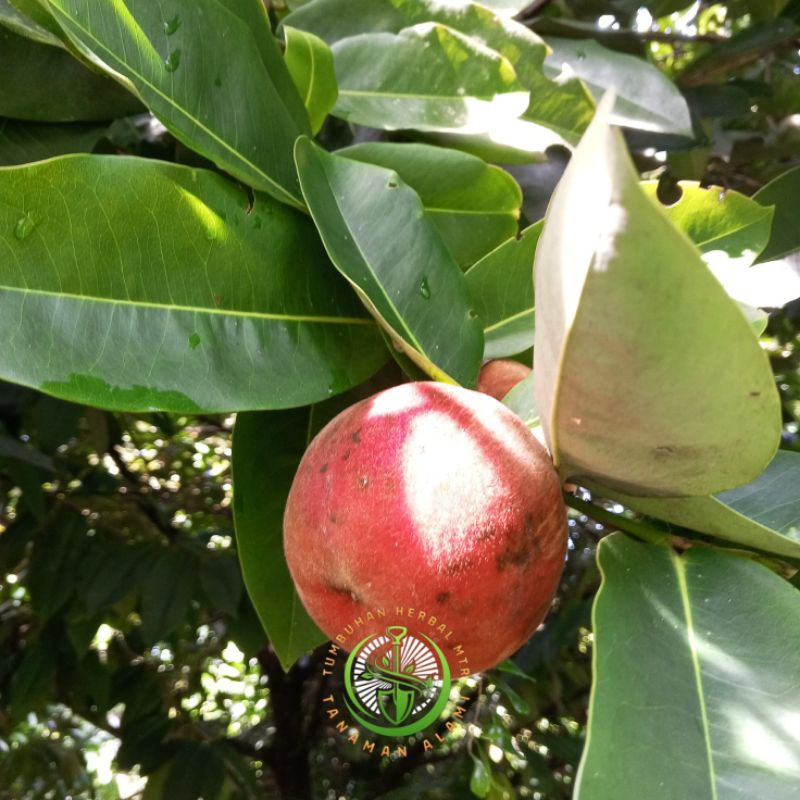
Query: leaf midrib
x=683, y=589
x=192, y=309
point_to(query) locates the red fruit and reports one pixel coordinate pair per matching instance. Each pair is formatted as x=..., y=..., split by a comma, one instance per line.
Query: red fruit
x=498, y=378
x=435, y=498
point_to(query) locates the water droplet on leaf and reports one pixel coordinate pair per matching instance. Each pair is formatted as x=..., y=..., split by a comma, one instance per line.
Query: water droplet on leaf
x=173, y=60
x=24, y=227
x=171, y=25
x=425, y=289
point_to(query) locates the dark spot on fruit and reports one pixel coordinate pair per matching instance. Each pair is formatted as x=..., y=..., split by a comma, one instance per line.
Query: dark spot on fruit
x=487, y=534
x=516, y=557
x=755, y=394
x=345, y=455
x=665, y=450
x=333, y=518
x=363, y=482
x=355, y=436
x=323, y=469
x=442, y=597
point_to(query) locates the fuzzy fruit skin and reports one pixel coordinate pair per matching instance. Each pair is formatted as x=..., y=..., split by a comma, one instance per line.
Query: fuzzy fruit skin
x=498, y=378
x=435, y=498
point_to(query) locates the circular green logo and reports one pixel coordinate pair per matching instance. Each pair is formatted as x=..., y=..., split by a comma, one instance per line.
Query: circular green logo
x=397, y=682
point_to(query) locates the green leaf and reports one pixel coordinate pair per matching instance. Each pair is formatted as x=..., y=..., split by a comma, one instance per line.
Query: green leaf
x=188, y=294
x=474, y=206
x=212, y=73
x=718, y=220
x=683, y=704
x=46, y=84
x=557, y=112
x=784, y=194
x=12, y=18
x=730, y=230
x=428, y=77
x=376, y=232
x=501, y=284
x=109, y=573
x=24, y=142
x=221, y=581
x=310, y=63
x=631, y=330
x=167, y=593
x=481, y=780
x=522, y=401
x=645, y=98
x=763, y=514
x=267, y=448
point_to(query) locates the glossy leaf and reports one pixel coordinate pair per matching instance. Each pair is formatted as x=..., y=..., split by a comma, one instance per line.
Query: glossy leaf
x=645, y=98
x=46, y=84
x=784, y=194
x=631, y=327
x=234, y=104
x=764, y=514
x=267, y=448
x=557, y=111
x=23, y=142
x=502, y=289
x=310, y=63
x=12, y=18
x=187, y=294
x=718, y=220
x=683, y=704
x=474, y=206
x=376, y=233
x=428, y=77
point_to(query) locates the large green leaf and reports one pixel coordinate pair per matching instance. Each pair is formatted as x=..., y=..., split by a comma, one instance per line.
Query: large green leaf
x=645, y=98
x=428, y=77
x=502, y=288
x=133, y=284
x=631, y=330
x=697, y=678
x=310, y=63
x=46, y=84
x=475, y=206
x=210, y=70
x=784, y=194
x=376, y=232
x=763, y=514
x=23, y=142
x=563, y=108
x=166, y=592
x=267, y=448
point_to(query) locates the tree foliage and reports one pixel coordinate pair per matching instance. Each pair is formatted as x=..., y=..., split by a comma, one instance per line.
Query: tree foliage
x=221, y=223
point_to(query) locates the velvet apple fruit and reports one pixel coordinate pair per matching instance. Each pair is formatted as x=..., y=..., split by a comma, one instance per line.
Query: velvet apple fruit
x=435, y=498
x=497, y=378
